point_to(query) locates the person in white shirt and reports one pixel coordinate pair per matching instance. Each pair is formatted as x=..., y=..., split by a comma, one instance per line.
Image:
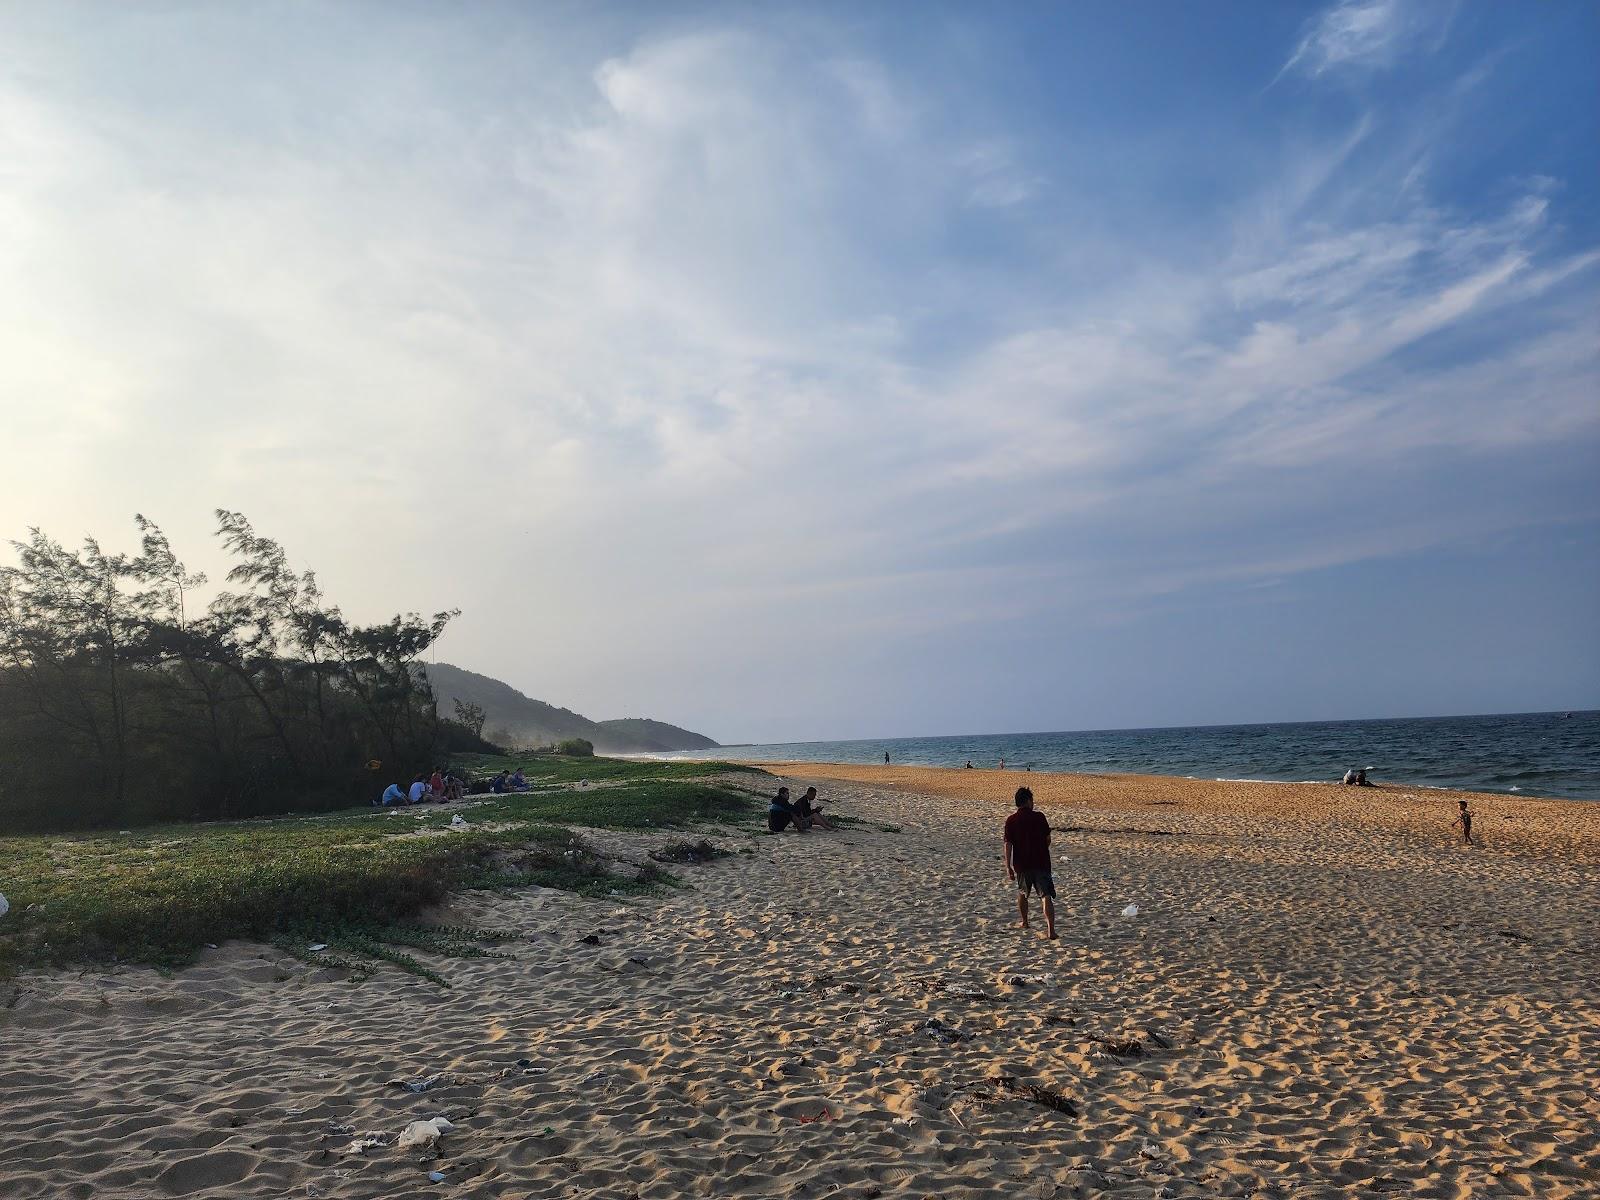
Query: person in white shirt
x=419, y=790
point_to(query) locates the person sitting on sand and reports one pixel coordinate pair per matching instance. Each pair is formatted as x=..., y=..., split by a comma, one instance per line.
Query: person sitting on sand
x=419, y=790
x=497, y=785
x=1349, y=777
x=1027, y=854
x=392, y=795
x=519, y=781
x=781, y=814
x=1463, y=822
x=436, y=785
x=808, y=814
x=1361, y=779
x=454, y=787
x=969, y=764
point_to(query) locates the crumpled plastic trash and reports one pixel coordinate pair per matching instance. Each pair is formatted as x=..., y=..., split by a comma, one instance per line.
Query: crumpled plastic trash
x=317, y=947
x=416, y=1085
x=436, y=1176
x=371, y=1142
x=457, y=821
x=1131, y=911
x=5, y=905
x=423, y=1133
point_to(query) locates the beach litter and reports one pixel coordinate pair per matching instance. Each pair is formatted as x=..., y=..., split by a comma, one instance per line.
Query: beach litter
x=423, y=1133
x=1039, y=1094
x=1121, y=1047
x=317, y=947
x=436, y=1176
x=417, y=1086
x=5, y=905
x=372, y=1141
x=1131, y=911
x=457, y=821
x=948, y=1034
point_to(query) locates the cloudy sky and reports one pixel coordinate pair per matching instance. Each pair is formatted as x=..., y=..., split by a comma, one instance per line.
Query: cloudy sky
x=841, y=370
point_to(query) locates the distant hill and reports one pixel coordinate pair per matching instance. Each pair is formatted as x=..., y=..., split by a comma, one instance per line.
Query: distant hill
x=518, y=720
x=656, y=735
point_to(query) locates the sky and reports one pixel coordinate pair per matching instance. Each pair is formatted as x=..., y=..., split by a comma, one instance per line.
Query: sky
x=839, y=370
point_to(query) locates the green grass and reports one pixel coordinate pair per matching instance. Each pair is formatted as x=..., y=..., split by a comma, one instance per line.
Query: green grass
x=630, y=805
x=157, y=895
x=550, y=768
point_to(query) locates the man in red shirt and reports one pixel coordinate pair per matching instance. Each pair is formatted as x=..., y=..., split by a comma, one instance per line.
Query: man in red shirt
x=1028, y=859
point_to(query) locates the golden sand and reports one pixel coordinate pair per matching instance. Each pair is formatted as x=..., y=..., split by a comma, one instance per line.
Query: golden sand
x=1320, y=996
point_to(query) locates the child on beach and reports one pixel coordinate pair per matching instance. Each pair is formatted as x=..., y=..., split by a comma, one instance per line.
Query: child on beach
x=1463, y=822
x=1027, y=853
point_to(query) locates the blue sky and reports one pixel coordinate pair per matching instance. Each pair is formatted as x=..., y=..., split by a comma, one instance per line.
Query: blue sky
x=842, y=370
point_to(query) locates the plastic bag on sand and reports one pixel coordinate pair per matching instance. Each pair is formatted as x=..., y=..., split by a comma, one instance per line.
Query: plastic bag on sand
x=457, y=821
x=1131, y=911
x=5, y=905
x=423, y=1133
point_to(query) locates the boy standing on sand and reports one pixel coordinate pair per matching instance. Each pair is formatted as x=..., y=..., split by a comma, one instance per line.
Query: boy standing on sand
x=1027, y=841
x=1463, y=822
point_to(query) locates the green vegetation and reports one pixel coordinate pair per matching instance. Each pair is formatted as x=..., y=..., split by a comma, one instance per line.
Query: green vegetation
x=543, y=769
x=351, y=880
x=637, y=805
x=122, y=701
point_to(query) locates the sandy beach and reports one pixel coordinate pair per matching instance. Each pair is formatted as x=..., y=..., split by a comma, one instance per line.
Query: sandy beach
x=1319, y=996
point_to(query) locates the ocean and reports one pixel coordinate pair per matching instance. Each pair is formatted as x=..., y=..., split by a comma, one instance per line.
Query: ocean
x=1534, y=754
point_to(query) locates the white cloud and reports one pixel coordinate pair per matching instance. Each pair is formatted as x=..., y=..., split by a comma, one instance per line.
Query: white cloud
x=692, y=351
x=1365, y=34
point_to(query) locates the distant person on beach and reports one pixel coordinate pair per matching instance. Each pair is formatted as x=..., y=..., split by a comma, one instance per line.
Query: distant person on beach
x=886, y=758
x=1463, y=822
x=519, y=781
x=436, y=784
x=969, y=764
x=1349, y=778
x=781, y=813
x=419, y=789
x=807, y=812
x=497, y=785
x=392, y=795
x=1361, y=778
x=1002, y=764
x=1027, y=854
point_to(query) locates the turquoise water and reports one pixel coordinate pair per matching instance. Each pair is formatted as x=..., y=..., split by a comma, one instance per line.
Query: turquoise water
x=1535, y=754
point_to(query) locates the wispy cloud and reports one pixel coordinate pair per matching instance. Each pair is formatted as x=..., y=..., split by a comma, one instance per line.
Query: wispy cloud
x=719, y=344
x=1366, y=34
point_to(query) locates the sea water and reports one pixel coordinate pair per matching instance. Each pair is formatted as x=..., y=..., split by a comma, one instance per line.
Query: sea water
x=1535, y=754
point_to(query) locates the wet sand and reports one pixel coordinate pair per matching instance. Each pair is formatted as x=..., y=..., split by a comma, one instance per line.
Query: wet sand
x=1320, y=996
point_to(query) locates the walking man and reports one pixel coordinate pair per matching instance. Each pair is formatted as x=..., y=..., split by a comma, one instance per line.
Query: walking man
x=1027, y=841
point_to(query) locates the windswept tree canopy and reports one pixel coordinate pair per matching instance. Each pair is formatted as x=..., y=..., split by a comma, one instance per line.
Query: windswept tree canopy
x=120, y=701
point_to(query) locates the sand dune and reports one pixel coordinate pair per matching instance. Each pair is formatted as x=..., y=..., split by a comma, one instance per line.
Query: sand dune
x=1318, y=997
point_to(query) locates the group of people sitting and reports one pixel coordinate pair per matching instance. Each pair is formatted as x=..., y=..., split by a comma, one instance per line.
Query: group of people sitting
x=801, y=815
x=516, y=781
x=437, y=788
x=1356, y=778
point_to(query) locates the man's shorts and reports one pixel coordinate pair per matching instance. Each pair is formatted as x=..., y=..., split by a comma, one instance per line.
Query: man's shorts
x=1037, y=881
